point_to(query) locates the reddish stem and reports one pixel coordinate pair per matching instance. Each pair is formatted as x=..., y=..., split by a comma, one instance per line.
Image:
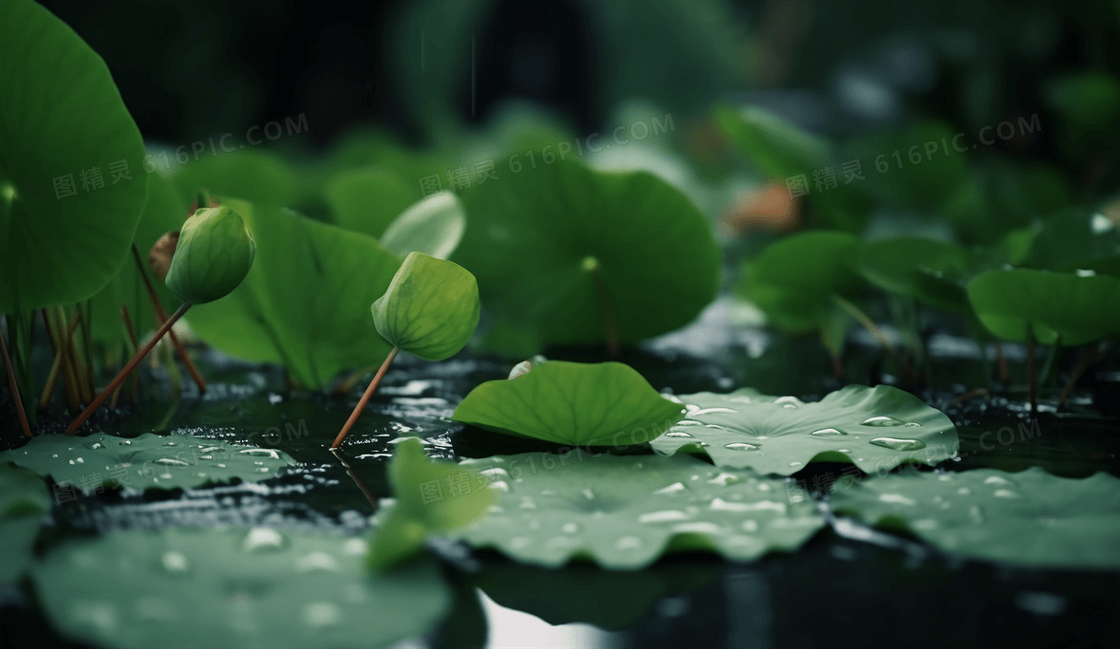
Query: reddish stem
x=15, y=387
x=364, y=400
x=161, y=315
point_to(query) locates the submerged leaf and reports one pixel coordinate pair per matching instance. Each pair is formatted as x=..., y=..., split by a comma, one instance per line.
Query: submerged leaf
x=625, y=512
x=72, y=185
x=876, y=429
x=23, y=500
x=251, y=588
x=602, y=404
x=1073, y=308
x=149, y=461
x=1030, y=518
x=431, y=308
x=431, y=496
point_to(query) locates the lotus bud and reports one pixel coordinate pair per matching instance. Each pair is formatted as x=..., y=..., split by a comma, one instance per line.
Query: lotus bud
x=214, y=254
x=524, y=367
x=161, y=254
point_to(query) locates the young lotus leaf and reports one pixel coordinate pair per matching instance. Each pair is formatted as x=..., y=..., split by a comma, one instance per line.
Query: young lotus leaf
x=72, y=185
x=431, y=496
x=580, y=256
x=23, y=500
x=1073, y=308
x=602, y=404
x=213, y=256
x=433, y=226
x=305, y=303
x=876, y=429
x=162, y=214
x=251, y=175
x=368, y=199
x=1030, y=518
x=239, y=588
x=431, y=308
x=149, y=461
x=794, y=279
x=924, y=269
x=625, y=512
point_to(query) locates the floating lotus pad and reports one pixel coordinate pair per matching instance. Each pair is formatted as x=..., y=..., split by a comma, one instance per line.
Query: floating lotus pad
x=23, y=500
x=876, y=429
x=149, y=461
x=599, y=404
x=1030, y=518
x=305, y=303
x=1076, y=309
x=182, y=588
x=566, y=252
x=67, y=210
x=624, y=512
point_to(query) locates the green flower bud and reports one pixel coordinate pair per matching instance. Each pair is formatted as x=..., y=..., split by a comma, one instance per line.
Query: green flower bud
x=214, y=253
x=431, y=308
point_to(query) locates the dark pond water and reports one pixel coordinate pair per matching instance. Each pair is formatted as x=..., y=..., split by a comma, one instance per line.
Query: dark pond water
x=850, y=586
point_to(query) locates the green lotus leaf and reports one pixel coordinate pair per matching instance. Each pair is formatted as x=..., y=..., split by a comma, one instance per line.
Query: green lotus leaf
x=570, y=253
x=778, y=148
x=305, y=303
x=72, y=184
x=368, y=199
x=254, y=588
x=1077, y=309
x=625, y=512
x=876, y=429
x=149, y=461
x=432, y=496
x=213, y=256
x=1030, y=518
x=600, y=404
x=925, y=269
x=433, y=226
x=1075, y=240
x=431, y=308
x=794, y=279
x=250, y=174
x=162, y=214
x=23, y=500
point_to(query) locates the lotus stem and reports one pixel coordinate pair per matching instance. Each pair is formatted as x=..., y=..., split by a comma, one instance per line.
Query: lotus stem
x=61, y=346
x=59, y=355
x=1004, y=369
x=610, y=324
x=128, y=369
x=364, y=400
x=12, y=383
x=135, y=344
x=1032, y=379
x=161, y=315
x=854, y=311
x=1088, y=357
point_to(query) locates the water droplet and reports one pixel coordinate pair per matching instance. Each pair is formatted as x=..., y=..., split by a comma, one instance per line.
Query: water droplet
x=827, y=432
x=322, y=614
x=98, y=446
x=911, y=424
x=261, y=452
x=964, y=491
x=206, y=457
x=520, y=542
x=570, y=528
x=689, y=422
x=1006, y=493
x=795, y=463
x=698, y=527
x=897, y=499
x=665, y=516
x=263, y=538
x=741, y=446
x=316, y=561
x=169, y=444
x=81, y=461
x=725, y=479
x=676, y=434
x=998, y=480
x=126, y=442
x=844, y=450
x=881, y=422
x=788, y=402
x=588, y=494
x=174, y=562
x=628, y=543
x=750, y=525
x=207, y=449
x=718, y=427
x=168, y=461
x=673, y=488
x=263, y=469
x=896, y=444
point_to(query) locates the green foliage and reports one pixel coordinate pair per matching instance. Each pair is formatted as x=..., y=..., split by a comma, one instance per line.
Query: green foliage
x=305, y=303
x=213, y=256
x=561, y=251
x=23, y=500
x=1030, y=518
x=1049, y=306
x=915, y=168
x=149, y=461
x=876, y=429
x=62, y=120
x=433, y=226
x=603, y=404
x=252, y=175
x=794, y=279
x=925, y=269
x=234, y=587
x=431, y=308
x=625, y=512
x=431, y=496
x=368, y=199
x=1076, y=239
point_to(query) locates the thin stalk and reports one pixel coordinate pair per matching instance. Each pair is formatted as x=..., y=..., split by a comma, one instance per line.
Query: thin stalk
x=87, y=341
x=610, y=324
x=347, y=384
x=1004, y=369
x=161, y=315
x=85, y=395
x=1032, y=380
x=854, y=311
x=22, y=341
x=1088, y=357
x=52, y=378
x=373, y=502
x=135, y=344
x=1055, y=350
x=12, y=382
x=364, y=400
x=73, y=397
x=92, y=407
